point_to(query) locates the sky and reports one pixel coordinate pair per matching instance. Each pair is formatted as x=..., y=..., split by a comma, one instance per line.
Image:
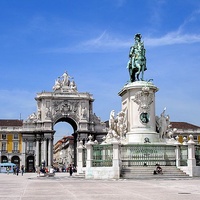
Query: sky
x=90, y=39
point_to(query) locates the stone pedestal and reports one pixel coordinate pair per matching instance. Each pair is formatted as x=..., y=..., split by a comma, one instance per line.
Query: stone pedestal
x=138, y=102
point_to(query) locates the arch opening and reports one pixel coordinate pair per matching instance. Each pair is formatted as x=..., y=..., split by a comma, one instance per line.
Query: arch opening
x=16, y=160
x=65, y=139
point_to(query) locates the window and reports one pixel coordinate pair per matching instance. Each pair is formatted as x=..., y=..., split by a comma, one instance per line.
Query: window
x=15, y=146
x=30, y=146
x=195, y=137
x=15, y=136
x=4, y=136
x=3, y=147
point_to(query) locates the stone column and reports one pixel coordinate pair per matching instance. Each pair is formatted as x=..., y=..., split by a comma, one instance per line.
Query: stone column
x=89, y=147
x=37, y=153
x=45, y=150
x=115, y=153
x=50, y=156
x=177, y=152
x=191, y=156
x=116, y=161
x=24, y=152
x=89, y=173
x=80, y=157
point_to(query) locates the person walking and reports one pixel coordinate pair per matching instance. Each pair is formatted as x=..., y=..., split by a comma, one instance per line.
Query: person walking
x=8, y=170
x=14, y=170
x=17, y=170
x=22, y=169
x=70, y=170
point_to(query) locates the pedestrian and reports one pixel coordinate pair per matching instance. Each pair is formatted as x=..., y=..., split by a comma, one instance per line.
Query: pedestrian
x=22, y=169
x=14, y=169
x=70, y=170
x=17, y=170
x=8, y=170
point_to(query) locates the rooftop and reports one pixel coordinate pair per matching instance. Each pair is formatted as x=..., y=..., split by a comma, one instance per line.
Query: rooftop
x=11, y=122
x=184, y=125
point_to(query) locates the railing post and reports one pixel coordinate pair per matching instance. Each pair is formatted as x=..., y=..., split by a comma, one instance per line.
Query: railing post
x=177, y=152
x=191, y=155
x=115, y=153
x=89, y=147
x=116, y=161
x=80, y=157
x=89, y=170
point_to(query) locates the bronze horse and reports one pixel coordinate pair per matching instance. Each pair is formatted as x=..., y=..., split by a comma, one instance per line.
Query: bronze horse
x=137, y=61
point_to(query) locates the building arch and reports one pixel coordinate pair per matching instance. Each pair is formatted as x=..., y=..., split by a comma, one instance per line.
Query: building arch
x=4, y=159
x=69, y=120
x=15, y=160
x=30, y=164
x=64, y=104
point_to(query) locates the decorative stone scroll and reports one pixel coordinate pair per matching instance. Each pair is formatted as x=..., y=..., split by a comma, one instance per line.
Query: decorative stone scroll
x=65, y=106
x=144, y=99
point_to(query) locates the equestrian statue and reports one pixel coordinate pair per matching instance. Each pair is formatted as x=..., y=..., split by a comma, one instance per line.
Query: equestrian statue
x=137, y=59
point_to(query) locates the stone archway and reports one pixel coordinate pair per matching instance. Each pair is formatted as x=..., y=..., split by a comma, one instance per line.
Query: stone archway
x=68, y=120
x=65, y=103
x=73, y=124
x=4, y=159
x=15, y=160
x=30, y=164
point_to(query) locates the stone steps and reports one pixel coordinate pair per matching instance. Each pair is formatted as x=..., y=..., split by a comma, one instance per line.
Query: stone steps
x=80, y=175
x=147, y=172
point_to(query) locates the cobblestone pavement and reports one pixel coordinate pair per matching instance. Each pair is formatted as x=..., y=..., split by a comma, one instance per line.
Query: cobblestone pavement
x=62, y=186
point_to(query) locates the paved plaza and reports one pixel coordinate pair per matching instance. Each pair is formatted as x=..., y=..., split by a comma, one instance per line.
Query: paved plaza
x=60, y=187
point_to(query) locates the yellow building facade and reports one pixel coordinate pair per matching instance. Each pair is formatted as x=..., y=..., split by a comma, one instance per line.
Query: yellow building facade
x=11, y=141
x=185, y=129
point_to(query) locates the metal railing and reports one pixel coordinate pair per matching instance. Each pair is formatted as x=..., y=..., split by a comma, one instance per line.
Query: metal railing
x=150, y=155
x=197, y=154
x=183, y=155
x=30, y=152
x=15, y=151
x=102, y=155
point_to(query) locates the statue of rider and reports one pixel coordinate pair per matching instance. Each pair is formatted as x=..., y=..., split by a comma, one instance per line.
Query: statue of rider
x=137, y=59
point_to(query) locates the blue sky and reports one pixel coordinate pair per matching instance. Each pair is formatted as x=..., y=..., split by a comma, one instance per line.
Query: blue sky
x=90, y=39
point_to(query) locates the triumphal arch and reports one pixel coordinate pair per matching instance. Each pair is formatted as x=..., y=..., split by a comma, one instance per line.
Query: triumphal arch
x=63, y=104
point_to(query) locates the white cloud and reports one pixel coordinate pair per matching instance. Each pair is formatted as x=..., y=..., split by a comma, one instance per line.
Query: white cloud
x=173, y=38
x=107, y=43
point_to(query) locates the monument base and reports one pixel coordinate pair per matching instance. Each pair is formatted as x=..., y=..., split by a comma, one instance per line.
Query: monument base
x=142, y=138
x=138, y=102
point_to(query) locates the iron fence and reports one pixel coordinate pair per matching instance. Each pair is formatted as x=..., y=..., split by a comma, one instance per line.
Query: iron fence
x=102, y=155
x=183, y=155
x=197, y=154
x=141, y=155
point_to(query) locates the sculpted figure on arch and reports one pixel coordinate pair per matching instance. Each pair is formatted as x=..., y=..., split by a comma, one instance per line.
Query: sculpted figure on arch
x=137, y=59
x=66, y=80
